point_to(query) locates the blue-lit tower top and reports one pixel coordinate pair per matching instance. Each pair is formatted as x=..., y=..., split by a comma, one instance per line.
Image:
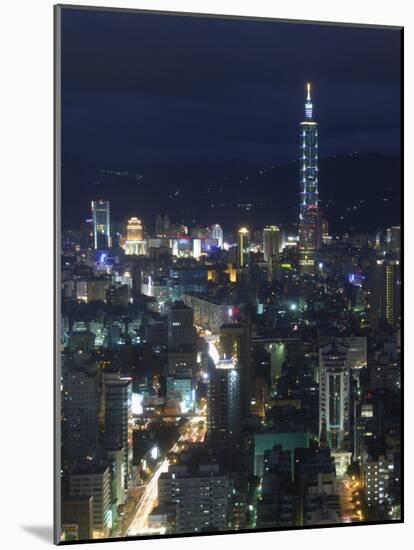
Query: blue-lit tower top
x=308, y=104
x=308, y=215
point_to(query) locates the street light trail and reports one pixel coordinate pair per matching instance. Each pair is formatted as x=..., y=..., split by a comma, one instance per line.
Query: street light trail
x=139, y=525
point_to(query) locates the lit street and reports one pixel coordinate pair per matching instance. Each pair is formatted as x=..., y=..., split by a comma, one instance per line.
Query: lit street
x=148, y=500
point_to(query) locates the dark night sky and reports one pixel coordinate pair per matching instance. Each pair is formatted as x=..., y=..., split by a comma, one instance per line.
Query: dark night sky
x=153, y=90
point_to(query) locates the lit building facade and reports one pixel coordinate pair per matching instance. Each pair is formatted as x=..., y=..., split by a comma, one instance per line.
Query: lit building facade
x=94, y=481
x=393, y=239
x=271, y=248
x=200, y=494
x=209, y=313
x=243, y=247
x=377, y=473
x=334, y=394
x=101, y=225
x=217, y=233
x=134, y=243
x=235, y=343
x=357, y=346
x=308, y=215
x=385, y=293
x=118, y=418
x=271, y=243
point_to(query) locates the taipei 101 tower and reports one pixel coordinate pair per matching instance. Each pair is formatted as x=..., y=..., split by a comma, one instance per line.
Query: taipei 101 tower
x=308, y=217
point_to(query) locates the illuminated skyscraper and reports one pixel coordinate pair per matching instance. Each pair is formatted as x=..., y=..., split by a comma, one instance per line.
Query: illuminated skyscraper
x=134, y=243
x=308, y=216
x=101, y=224
x=217, y=233
x=243, y=247
x=235, y=344
x=271, y=241
x=80, y=407
x=393, y=239
x=334, y=394
x=384, y=281
x=271, y=246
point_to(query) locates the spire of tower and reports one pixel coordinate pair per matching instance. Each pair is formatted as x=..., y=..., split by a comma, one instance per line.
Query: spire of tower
x=308, y=103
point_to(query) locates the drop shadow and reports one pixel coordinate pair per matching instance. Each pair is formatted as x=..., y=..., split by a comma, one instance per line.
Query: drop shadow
x=42, y=532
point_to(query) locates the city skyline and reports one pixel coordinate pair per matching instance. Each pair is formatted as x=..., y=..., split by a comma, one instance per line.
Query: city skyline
x=217, y=122
x=230, y=347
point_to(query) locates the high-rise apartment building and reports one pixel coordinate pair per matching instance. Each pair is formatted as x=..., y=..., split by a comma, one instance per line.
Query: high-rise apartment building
x=201, y=496
x=80, y=407
x=384, y=282
x=393, y=239
x=224, y=403
x=181, y=329
x=94, y=480
x=357, y=346
x=118, y=418
x=77, y=518
x=377, y=474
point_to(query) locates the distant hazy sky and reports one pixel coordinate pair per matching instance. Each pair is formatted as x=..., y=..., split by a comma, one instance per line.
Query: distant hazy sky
x=144, y=89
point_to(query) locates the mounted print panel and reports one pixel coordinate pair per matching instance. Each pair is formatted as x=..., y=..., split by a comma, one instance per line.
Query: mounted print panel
x=228, y=274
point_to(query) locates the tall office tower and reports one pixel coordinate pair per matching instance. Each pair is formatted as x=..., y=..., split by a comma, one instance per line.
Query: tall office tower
x=384, y=282
x=94, y=481
x=80, y=408
x=162, y=224
x=393, y=239
x=271, y=246
x=271, y=242
x=243, y=247
x=308, y=216
x=334, y=394
x=134, y=243
x=101, y=225
x=224, y=404
x=217, y=233
x=181, y=340
x=118, y=417
x=235, y=343
x=199, y=492
x=181, y=329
